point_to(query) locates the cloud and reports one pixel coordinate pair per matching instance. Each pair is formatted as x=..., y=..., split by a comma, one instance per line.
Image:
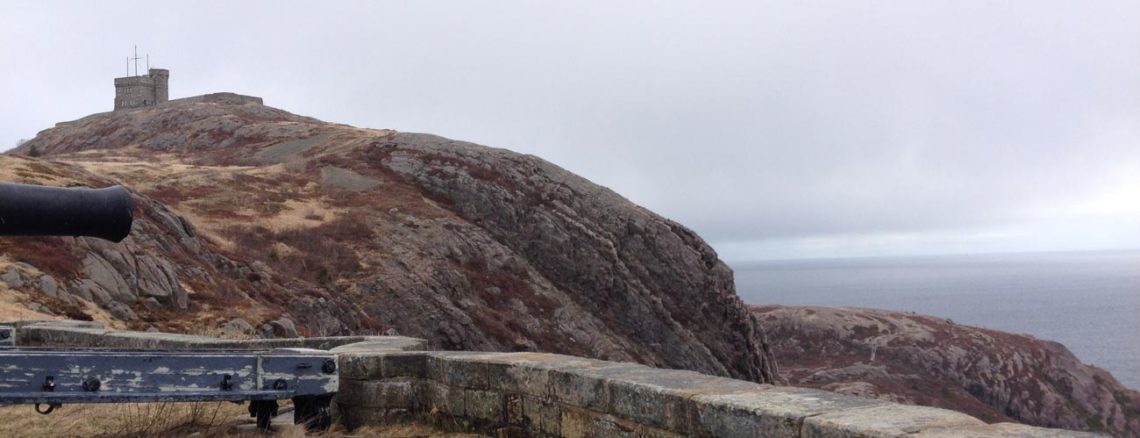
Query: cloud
x=762, y=125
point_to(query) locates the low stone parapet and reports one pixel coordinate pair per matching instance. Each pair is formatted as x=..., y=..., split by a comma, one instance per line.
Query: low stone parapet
x=93, y=334
x=549, y=395
x=385, y=379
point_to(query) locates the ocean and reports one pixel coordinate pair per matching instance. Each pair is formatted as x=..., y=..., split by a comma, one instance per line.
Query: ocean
x=1088, y=301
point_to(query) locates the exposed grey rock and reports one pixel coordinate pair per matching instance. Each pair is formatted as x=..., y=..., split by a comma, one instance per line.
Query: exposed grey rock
x=347, y=179
x=91, y=291
x=82, y=290
x=926, y=360
x=157, y=278
x=284, y=328
x=150, y=303
x=675, y=297
x=37, y=307
x=237, y=327
x=121, y=311
x=106, y=278
x=12, y=277
x=49, y=286
x=265, y=331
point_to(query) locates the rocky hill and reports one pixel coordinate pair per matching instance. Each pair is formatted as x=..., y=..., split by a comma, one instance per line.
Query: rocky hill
x=258, y=222
x=917, y=359
x=252, y=221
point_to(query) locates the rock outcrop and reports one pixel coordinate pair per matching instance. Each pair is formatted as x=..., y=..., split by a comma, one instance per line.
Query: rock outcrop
x=251, y=213
x=917, y=359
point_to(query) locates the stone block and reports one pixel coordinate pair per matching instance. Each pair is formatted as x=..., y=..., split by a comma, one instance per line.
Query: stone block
x=587, y=387
x=395, y=393
x=359, y=366
x=519, y=379
x=483, y=405
x=465, y=371
x=542, y=416
x=411, y=364
x=533, y=373
x=377, y=344
x=581, y=423
x=767, y=410
x=883, y=420
x=663, y=398
x=352, y=416
x=437, y=397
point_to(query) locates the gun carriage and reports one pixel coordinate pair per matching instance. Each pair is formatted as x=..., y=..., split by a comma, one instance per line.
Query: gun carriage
x=49, y=377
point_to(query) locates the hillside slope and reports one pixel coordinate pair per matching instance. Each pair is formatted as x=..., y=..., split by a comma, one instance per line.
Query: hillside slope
x=257, y=220
x=918, y=359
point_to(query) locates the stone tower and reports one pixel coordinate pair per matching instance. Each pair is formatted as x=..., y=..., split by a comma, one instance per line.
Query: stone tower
x=142, y=91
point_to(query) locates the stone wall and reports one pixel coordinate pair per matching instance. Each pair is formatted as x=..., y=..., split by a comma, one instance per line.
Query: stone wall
x=385, y=379
x=93, y=334
x=549, y=395
x=224, y=98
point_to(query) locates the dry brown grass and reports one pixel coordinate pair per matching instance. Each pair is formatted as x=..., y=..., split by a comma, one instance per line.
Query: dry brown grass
x=407, y=431
x=12, y=309
x=25, y=170
x=136, y=420
x=206, y=419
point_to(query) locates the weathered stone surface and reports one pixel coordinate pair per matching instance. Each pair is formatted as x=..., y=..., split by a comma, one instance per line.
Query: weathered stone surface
x=1001, y=430
x=542, y=415
x=482, y=405
x=82, y=333
x=284, y=328
x=375, y=365
x=883, y=420
x=382, y=344
x=105, y=278
x=37, y=307
x=577, y=423
x=441, y=398
x=768, y=411
x=237, y=328
x=12, y=278
x=121, y=311
x=392, y=393
x=49, y=286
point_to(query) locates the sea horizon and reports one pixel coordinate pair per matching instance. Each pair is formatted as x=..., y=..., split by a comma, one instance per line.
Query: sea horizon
x=1086, y=300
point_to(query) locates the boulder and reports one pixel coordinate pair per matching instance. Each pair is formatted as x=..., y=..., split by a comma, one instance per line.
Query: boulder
x=49, y=286
x=237, y=328
x=284, y=328
x=12, y=278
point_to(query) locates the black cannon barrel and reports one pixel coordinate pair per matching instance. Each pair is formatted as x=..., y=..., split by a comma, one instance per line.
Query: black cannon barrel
x=29, y=210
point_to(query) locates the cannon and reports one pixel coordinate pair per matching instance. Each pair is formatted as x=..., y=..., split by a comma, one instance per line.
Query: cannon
x=50, y=376
x=30, y=210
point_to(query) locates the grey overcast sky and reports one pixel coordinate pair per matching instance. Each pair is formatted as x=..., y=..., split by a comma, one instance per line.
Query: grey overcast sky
x=774, y=129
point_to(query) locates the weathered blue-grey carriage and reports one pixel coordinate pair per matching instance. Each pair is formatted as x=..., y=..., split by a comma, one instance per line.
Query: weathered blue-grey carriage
x=49, y=377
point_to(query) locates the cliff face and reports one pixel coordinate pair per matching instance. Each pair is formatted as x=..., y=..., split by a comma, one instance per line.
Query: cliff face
x=254, y=217
x=995, y=376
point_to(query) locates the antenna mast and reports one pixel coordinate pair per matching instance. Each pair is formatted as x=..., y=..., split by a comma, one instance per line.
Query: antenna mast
x=136, y=60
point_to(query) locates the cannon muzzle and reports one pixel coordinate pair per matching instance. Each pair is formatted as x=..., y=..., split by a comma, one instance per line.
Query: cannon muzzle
x=28, y=210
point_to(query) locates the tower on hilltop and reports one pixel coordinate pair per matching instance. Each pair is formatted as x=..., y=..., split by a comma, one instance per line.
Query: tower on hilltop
x=142, y=91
